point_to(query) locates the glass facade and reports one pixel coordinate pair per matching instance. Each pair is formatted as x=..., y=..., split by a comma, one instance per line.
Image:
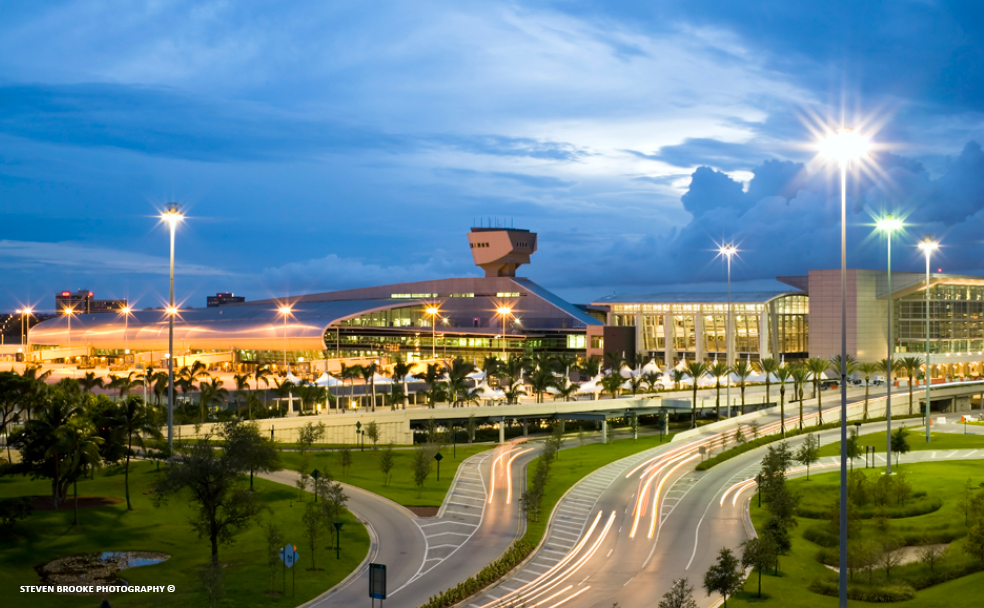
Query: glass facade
x=956, y=320
x=792, y=324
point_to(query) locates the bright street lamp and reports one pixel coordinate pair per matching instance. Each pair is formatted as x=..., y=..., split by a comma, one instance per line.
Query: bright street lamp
x=172, y=215
x=285, y=311
x=504, y=311
x=928, y=246
x=888, y=225
x=68, y=311
x=844, y=146
x=125, y=311
x=433, y=311
x=728, y=251
x=26, y=330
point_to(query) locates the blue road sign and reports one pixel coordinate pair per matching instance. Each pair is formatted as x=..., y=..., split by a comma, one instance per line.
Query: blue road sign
x=289, y=555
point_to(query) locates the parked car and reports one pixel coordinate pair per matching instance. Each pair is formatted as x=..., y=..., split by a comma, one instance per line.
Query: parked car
x=829, y=384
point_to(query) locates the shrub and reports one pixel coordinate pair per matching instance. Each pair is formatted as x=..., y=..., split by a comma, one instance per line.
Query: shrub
x=898, y=592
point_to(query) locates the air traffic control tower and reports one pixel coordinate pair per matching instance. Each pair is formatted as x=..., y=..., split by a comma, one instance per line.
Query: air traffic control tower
x=500, y=251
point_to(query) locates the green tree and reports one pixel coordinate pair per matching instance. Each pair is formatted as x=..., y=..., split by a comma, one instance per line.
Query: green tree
x=717, y=371
x=742, y=369
x=974, y=543
x=696, y=370
x=800, y=375
x=835, y=365
x=314, y=526
x=41, y=454
x=853, y=447
x=135, y=421
x=308, y=435
x=262, y=374
x=678, y=377
x=612, y=384
x=368, y=373
x=333, y=505
x=13, y=510
x=246, y=444
x=759, y=553
x=275, y=541
x=422, y=458
x=386, y=464
x=769, y=367
x=808, y=453
x=911, y=365
x=242, y=387
x=211, y=394
x=90, y=381
x=818, y=366
x=16, y=393
x=867, y=368
x=680, y=595
x=372, y=432
x=724, y=576
x=345, y=458
x=77, y=446
x=215, y=481
x=540, y=380
x=900, y=443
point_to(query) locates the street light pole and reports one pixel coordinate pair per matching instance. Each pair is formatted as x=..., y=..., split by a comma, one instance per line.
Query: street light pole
x=889, y=224
x=504, y=311
x=126, y=334
x=728, y=251
x=285, y=311
x=433, y=312
x=172, y=214
x=844, y=146
x=928, y=245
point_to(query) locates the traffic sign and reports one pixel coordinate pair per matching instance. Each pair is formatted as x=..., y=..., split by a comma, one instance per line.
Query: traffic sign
x=289, y=555
x=438, y=457
x=377, y=581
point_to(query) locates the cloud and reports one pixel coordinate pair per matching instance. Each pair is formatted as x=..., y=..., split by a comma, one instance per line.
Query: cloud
x=85, y=259
x=533, y=181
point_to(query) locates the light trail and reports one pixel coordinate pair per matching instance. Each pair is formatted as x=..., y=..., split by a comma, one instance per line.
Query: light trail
x=503, y=451
x=571, y=597
x=652, y=525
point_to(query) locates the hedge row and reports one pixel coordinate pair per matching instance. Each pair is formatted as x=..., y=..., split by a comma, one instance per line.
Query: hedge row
x=821, y=535
x=899, y=592
x=488, y=575
x=914, y=508
x=755, y=443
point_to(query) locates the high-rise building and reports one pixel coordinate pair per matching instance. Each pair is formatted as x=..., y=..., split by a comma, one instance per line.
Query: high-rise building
x=221, y=299
x=83, y=302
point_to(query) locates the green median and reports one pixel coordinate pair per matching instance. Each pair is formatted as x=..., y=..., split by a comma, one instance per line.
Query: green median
x=916, y=440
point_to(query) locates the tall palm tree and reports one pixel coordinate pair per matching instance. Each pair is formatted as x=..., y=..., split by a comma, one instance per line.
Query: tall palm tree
x=212, y=392
x=114, y=382
x=567, y=393
x=76, y=448
x=635, y=383
x=817, y=367
x=262, y=374
x=614, y=361
x=800, y=375
x=368, y=373
x=135, y=421
x=696, y=370
x=284, y=390
x=590, y=366
x=350, y=373
x=867, y=368
x=433, y=379
x=783, y=373
x=400, y=372
x=612, y=383
x=540, y=380
x=39, y=388
x=651, y=379
x=678, y=376
x=835, y=366
x=242, y=385
x=458, y=379
x=742, y=369
x=89, y=382
x=911, y=366
x=769, y=367
x=160, y=380
x=717, y=370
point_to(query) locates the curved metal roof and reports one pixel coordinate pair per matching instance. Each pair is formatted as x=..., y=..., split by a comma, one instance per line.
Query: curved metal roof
x=712, y=297
x=259, y=327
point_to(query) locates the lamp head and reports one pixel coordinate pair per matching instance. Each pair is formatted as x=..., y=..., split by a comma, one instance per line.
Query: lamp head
x=504, y=310
x=285, y=310
x=928, y=245
x=171, y=310
x=727, y=250
x=433, y=310
x=889, y=224
x=68, y=310
x=125, y=310
x=844, y=145
x=172, y=214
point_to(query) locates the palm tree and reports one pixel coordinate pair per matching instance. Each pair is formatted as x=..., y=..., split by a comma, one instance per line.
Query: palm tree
x=39, y=388
x=433, y=378
x=567, y=393
x=651, y=379
x=783, y=374
x=635, y=383
x=612, y=383
x=540, y=380
x=817, y=367
x=128, y=383
x=800, y=375
x=911, y=366
x=590, y=366
x=400, y=372
x=242, y=385
x=284, y=390
x=769, y=367
x=350, y=373
x=76, y=448
x=211, y=392
x=114, y=382
x=678, y=376
x=835, y=364
x=615, y=361
x=512, y=371
x=89, y=382
x=458, y=379
x=135, y=421
x=696, y=370
x=368, y=373
x=742, y=369
x=717, y=370
x=159, y=380
x=867, y=368
x=262, y=374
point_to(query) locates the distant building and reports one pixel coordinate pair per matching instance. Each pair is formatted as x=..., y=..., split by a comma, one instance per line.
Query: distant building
x=221, y=299
x=83, y=302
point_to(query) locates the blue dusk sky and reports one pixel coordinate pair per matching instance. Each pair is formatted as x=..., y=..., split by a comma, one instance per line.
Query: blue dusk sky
x=329, y=145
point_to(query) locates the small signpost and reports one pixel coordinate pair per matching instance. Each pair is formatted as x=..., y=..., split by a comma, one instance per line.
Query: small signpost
x=358, y=433
x=438, y=458
x=338, y=539
x=289, y=556
x=315, y=474
x=377, y=583
x=703, y=452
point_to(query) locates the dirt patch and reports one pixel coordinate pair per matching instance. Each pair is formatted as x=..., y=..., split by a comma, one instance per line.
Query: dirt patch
x=424, y=511
x=45, y=503
x=96, y=568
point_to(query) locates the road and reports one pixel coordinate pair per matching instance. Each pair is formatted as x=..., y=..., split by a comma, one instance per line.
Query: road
x=477, y=522
x=625, y=532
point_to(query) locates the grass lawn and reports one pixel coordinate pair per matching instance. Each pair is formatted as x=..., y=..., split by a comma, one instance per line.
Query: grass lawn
x=798, y=569
x=364, y=472
x=917, y=441
x=47, y=535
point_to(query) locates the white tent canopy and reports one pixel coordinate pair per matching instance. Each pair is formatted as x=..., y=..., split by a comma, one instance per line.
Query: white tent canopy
x=327, y=380
x=484, y=391
x=294, y=379
x=651, y=367
x=378, y=379
x=476, y=375
x=591, y=386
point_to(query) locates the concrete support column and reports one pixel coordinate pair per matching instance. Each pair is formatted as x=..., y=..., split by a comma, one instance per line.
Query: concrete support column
x=604, y=431
x=668, y=349
x=502, y=432
x=699, y=335
x=764, y=350
x=525, y=429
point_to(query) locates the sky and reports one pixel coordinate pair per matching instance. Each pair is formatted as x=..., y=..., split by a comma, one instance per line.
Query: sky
x=321, y=146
